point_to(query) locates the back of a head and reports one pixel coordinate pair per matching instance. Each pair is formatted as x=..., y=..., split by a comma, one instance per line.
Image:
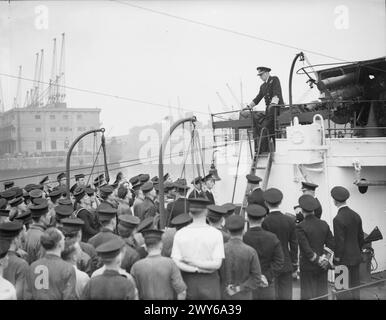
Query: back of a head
x=197, y=211
x=50, y=238
x=122, y=192
x=69, y=249
x=125, y=232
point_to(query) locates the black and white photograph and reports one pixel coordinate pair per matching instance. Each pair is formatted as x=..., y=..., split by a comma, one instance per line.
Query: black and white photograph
x=211, y=152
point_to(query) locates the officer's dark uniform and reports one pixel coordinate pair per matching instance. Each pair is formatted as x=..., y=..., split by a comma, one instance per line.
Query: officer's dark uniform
x=256, y=195
x=284, y=228
x=268, y=248
x=111, y=285
x=17, y=267
x=209, y=194
x=313, y=234
x=196, y=193
x=349, y=238
x=268, y=90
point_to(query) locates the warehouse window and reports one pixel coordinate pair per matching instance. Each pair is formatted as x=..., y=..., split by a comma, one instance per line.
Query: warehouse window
x=53, y=145
x=38, y=145
x=38, y=129
x=37, y=116
x=52, y=117
x=65, y=116
x=53, y=129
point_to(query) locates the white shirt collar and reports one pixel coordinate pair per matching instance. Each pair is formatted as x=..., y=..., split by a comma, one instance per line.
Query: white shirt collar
x=275, y=209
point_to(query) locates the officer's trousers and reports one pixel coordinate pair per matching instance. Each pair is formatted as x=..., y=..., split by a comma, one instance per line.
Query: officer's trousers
x=313, y=284
x=354, y=281
x=283, y=286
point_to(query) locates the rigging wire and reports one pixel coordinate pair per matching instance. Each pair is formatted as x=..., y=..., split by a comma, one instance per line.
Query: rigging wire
x=132, y=162
x=100, y=93
x=239, y=33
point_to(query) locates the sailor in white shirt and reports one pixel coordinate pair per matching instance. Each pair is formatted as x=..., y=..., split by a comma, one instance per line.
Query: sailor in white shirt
x=198, y=250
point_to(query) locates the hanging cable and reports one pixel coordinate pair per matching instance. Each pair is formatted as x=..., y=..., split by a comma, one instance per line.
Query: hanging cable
x=106, y=94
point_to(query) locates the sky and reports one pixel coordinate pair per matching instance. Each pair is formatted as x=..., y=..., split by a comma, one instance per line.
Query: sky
x=180, y=53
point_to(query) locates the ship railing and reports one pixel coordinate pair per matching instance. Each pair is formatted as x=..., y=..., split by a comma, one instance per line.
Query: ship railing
x=334, y=294
x=235, y=123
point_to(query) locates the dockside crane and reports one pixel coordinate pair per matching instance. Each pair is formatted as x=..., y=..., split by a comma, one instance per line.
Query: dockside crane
x=40, y=79
x=61, y=93
x=52, y=90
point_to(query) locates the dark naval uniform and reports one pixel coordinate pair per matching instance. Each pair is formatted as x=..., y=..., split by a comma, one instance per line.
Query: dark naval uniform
x=111, y=285
x=130, y=257
x=349, y=238
x=318, y=211
x=196, y=194
x=103, y=236
x=90, y=227
x=148, y=209
x=270, y=252
x=284, y=228
x=158, y=278
x=176, y=208
x=241, y=267
x=256, y=197
x=313, y=234
x=268, y=90
x=15, y=272
x=50, y=278
x=225, y=234
x=94, y=262
x=210, y=196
